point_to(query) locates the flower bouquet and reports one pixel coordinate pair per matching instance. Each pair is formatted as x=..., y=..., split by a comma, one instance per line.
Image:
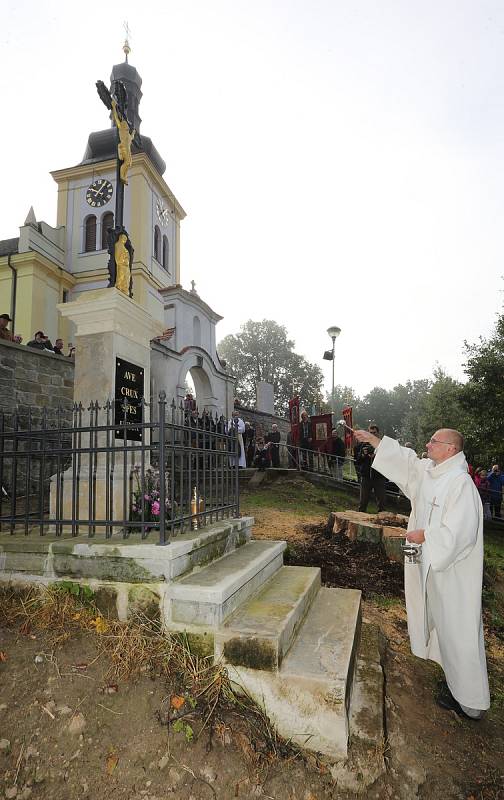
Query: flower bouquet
x=145, y=497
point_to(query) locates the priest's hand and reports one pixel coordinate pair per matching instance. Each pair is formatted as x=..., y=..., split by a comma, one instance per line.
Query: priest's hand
x=365, y=436
x=417, y=537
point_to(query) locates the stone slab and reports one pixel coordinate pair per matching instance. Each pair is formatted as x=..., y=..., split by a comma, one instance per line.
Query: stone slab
x=307, y=700
x=260, y=632
x=367, y=703
x=208, y=596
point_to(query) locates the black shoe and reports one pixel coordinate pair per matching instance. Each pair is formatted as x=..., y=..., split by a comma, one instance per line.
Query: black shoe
x=446, y=700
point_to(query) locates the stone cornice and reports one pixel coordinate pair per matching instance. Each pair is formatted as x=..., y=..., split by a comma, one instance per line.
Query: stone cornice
x=34, y=259
x=110, y=311
x=172, y=292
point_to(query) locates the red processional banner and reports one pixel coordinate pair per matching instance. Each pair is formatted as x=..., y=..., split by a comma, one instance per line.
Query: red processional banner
x=321, y=426
x=347, y=416
x=294, y=419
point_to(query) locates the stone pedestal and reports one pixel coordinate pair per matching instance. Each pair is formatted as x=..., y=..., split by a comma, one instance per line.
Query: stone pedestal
x=109, y=326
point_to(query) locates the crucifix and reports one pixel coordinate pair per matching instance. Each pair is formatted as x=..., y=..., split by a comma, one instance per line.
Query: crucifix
x=433, y=505
x=120, y=248
x=126, y=46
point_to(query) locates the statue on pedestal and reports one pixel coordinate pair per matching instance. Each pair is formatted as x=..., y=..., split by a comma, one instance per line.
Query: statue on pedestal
x=120, y=263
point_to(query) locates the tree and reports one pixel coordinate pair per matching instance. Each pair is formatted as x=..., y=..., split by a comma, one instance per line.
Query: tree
x=483, y=396
x=261, y=351
x=343, y=396
x=438, y=407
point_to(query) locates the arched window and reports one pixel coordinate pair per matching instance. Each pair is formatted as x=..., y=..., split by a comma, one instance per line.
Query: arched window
x=106, y=223
x=196, y=332
x=166, y=252
x=90, y=234
x=157, y=243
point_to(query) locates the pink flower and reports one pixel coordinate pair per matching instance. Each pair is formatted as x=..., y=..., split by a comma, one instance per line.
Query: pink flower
x=155, y=508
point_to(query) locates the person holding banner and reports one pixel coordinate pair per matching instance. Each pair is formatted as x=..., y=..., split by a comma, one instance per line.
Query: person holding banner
x=305, y=442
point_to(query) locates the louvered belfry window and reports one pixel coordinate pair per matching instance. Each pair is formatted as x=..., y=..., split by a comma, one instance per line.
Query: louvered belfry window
x=157, y=243
x=90, y=234
x=166, y=252
x=107, y=223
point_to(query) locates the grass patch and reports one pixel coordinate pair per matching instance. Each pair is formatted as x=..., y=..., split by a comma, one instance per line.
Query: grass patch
x=384, y=601
x=493, y=578
x=296, y=495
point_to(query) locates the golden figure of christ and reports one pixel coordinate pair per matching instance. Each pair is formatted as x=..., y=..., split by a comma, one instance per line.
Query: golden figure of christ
x=124, y=146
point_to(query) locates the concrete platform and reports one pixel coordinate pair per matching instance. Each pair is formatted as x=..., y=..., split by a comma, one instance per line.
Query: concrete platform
x=308, y=699
x=208, y=596
x=261, y=631
x=44, y=559
x=288, y=642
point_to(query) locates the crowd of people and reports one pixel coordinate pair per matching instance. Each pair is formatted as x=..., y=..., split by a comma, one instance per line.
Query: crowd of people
x=489, y=483
x=39, y=342
x=254, y=449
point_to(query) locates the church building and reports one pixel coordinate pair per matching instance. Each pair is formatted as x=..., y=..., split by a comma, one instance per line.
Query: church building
x=45, y=266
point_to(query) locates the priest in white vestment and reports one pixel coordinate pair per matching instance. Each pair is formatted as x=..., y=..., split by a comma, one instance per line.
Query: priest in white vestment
x=238, y=424
x=443, y=590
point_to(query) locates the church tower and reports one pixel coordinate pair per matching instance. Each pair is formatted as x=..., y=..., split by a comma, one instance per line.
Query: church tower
x=152, y=213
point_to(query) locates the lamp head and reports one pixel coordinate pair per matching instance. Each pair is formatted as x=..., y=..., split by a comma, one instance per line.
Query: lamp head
x=334, y=331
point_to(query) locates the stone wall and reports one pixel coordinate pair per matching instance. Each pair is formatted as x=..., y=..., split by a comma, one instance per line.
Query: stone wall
x=262, y=422
x=37, y=378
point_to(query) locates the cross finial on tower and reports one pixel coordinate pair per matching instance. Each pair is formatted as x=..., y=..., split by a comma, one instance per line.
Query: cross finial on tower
x=126, y=45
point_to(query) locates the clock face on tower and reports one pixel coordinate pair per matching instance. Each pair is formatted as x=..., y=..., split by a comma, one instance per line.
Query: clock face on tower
x=162, y=213
x=99, y=193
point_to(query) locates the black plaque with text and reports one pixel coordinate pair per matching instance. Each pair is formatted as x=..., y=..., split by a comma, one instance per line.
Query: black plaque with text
x=129, y=387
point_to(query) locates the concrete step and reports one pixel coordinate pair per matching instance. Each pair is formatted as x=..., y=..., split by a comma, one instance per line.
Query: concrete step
x=260, y=632
x=308, y=699
x=209, y=596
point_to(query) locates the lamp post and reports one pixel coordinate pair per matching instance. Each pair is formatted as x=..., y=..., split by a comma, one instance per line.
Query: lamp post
x=333, y=332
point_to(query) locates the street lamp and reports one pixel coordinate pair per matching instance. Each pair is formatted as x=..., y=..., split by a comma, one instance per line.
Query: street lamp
x=333, y=332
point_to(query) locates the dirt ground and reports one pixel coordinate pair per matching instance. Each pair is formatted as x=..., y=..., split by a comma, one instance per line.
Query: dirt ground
x=69, y=730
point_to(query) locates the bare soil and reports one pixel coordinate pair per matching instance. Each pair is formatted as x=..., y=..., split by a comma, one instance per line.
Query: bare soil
x=69, y=730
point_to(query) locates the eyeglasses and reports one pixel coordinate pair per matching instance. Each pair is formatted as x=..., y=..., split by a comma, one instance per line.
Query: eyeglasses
x=438, y=441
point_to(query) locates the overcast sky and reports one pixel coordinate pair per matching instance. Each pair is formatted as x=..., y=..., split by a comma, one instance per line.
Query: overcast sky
x=340, y=163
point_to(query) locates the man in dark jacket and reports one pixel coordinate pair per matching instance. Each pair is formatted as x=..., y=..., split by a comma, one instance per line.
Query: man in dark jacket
x=336, y=455
x=370, y=480
x=40, y=342
x=274, y=439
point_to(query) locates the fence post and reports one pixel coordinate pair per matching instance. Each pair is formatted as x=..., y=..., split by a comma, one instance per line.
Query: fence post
x=162, y=483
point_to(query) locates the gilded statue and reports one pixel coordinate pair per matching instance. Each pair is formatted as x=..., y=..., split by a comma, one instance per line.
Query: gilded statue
x=122, y=260
x=125, y=138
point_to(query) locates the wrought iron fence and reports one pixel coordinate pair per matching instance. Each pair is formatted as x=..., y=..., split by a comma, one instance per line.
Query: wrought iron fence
x=82, y=471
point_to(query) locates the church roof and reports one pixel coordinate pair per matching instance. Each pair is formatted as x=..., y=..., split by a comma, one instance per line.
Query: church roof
x=9, y=246
x=102, y=145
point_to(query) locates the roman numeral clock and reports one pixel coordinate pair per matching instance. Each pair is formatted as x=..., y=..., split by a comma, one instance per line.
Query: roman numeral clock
x=99, y=193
